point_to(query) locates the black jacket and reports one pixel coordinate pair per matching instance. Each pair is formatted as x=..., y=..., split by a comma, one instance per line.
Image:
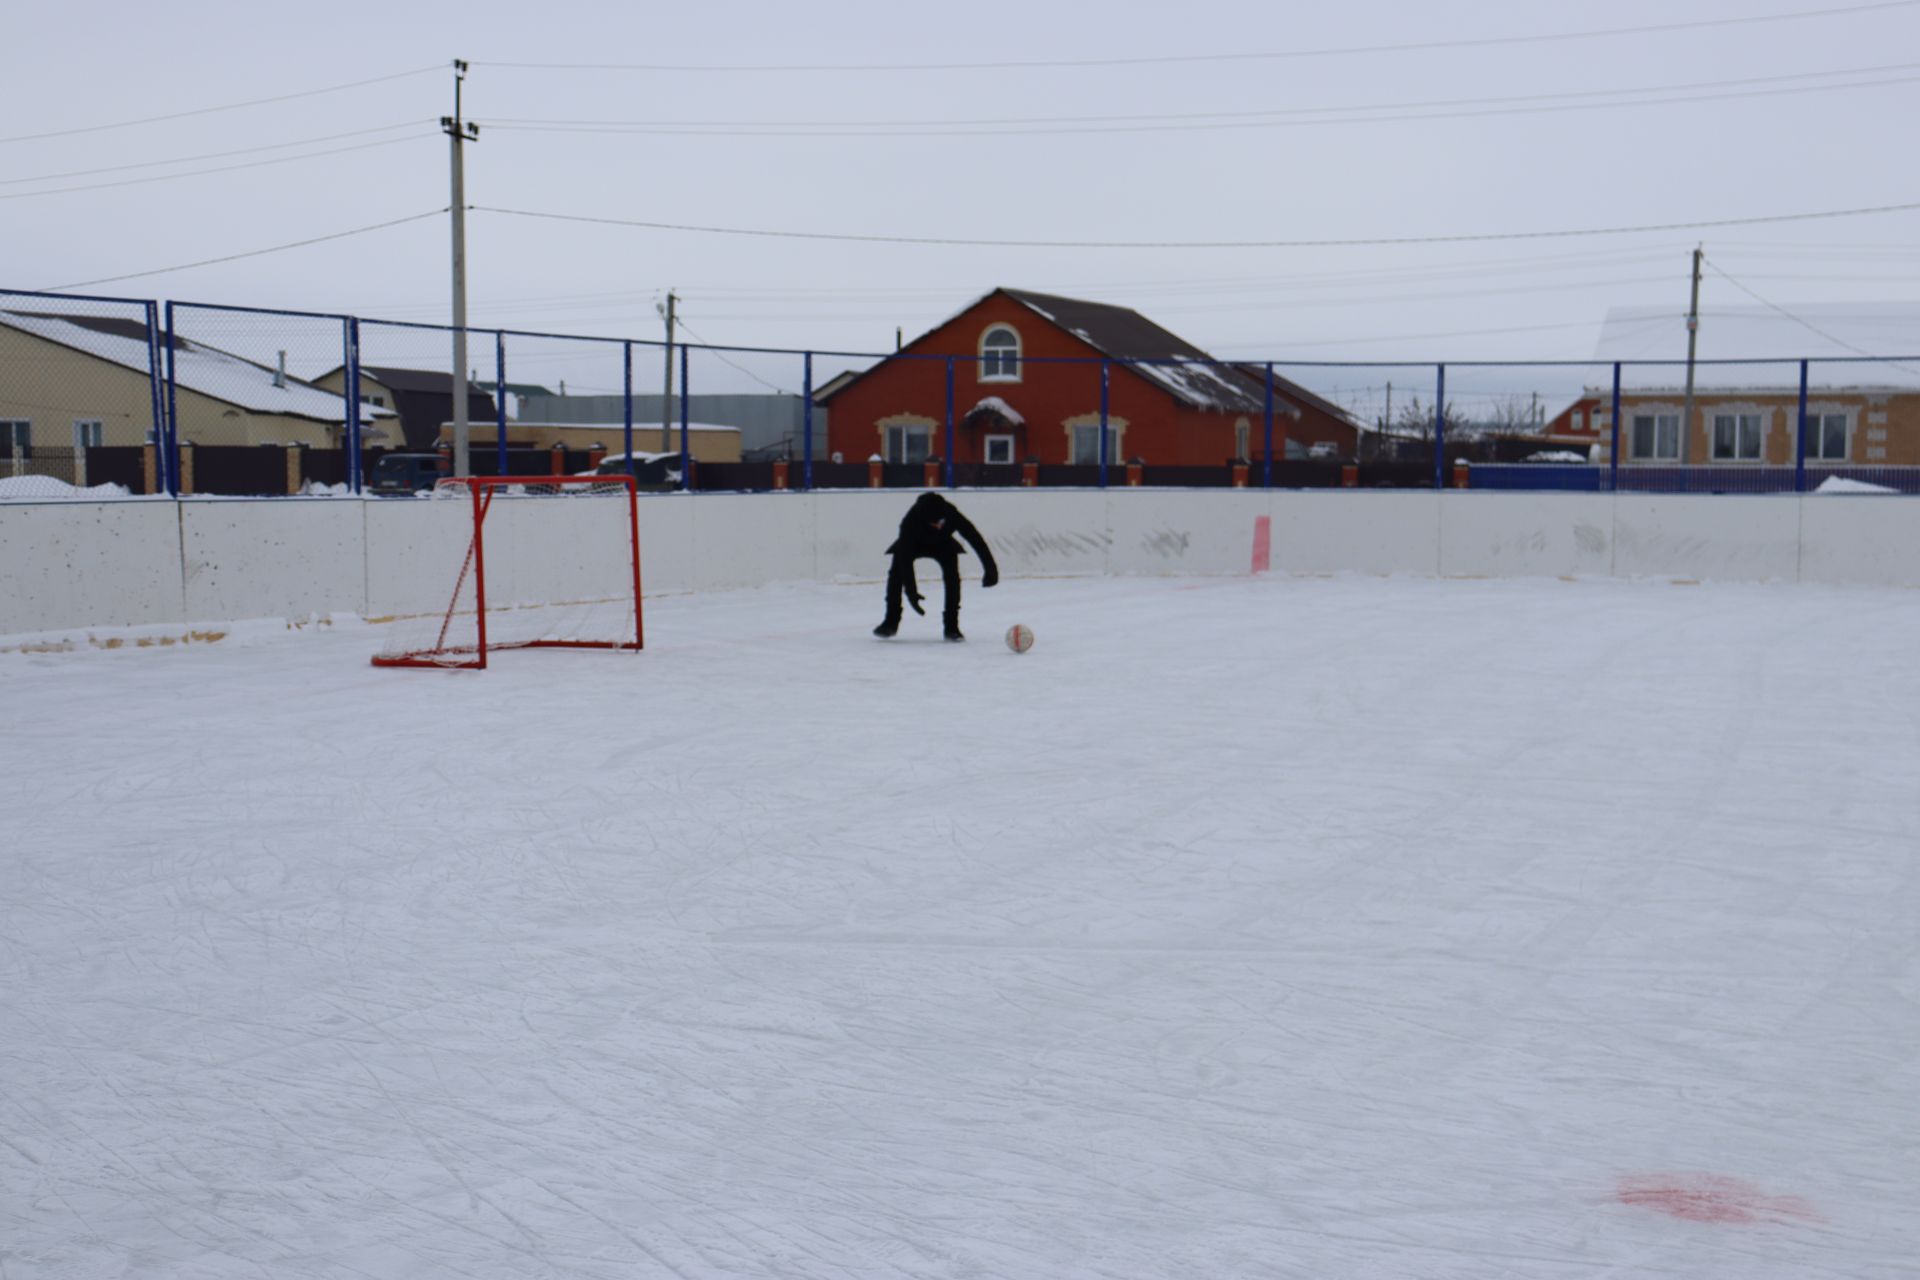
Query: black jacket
x=929, y=529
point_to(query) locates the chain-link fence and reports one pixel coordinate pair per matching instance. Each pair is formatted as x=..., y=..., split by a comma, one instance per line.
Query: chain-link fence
x=81, y=391
x=193, y=398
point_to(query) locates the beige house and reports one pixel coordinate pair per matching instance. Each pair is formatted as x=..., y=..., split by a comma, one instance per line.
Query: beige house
x=1847, y=426
x=73, y=382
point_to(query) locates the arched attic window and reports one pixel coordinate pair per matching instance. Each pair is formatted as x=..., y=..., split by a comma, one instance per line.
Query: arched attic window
x=1000, y=354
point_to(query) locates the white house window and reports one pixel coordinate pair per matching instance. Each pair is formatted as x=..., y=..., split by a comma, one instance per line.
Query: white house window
x=1000, y=355
x=1578, y=421
x=1086, y=445
x=909, y=442
x=1827, y=436
x=1242, y=433
x=16, y=438
x=1656, y=436
x=89, y=433
x=999, y=449
x=1736, y=437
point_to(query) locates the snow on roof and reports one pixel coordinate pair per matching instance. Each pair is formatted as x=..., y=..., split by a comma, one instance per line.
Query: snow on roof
x=1821, y=332
x=994, y=404
x=207, y=370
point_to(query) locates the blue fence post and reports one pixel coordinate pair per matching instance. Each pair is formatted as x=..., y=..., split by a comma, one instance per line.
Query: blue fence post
x=1269, y=424
x=806, y=421
x=1613, y=450
x=353, y=434
x=155, y=382
x=169, y=448
x=500, y=397
x=946, y=460
x=626, y=399
x=1440, y=429
x=686, y=425
x=1103, y=422
x=1800, y=437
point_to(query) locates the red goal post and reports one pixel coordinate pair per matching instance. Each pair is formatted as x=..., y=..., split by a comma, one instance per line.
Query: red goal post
x=529, y=562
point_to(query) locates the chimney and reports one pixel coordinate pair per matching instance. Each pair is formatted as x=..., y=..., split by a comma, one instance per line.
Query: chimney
x=280, y=373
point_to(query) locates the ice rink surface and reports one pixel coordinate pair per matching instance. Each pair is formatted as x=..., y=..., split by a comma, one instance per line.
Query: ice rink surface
x=1312, y=928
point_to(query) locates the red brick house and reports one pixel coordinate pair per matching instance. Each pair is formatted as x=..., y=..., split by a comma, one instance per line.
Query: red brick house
x=1027, y=387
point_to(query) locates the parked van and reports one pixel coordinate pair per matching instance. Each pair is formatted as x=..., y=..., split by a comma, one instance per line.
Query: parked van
x=399, y=474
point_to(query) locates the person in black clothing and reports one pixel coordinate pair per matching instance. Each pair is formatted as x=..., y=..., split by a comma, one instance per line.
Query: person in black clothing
x=928, y=530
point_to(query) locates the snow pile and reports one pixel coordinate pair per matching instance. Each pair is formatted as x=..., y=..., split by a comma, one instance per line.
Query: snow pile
x=320, y=489
x=48, y=488
x=1840, y=484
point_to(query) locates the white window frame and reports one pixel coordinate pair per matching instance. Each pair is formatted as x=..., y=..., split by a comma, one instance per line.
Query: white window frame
x=1739, y=418
x=1001, y=361
x=89, y=433
x=1116, y=435
x=997, y=445
x=1243, y=439
x=897, y=432
x=16, y=434
x=1817, y=418
x=1659, y=418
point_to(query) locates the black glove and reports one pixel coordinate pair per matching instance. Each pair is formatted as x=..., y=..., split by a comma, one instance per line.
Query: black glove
x=913, y=598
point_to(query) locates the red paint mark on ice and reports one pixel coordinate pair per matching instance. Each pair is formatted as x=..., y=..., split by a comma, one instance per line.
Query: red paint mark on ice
x=1262, y=543
x=1707, y=1197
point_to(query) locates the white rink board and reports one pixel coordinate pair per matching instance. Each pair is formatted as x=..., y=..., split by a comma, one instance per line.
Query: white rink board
x=1065, y=535
x=1722, y=537
x=275, y=558
x=1525, y=535
x=141, y=562
x=1871, y=538
x=80, y=564
x=1360, y=532
x=1179, y=532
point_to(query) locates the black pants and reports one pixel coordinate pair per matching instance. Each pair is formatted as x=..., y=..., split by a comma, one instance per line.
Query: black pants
x=901, y=575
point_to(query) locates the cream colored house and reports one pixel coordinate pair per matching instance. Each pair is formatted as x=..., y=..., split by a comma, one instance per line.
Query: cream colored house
x=69, y=382
x=1847, y=426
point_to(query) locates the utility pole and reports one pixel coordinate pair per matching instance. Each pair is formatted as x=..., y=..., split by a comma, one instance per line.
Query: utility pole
x=666, y=401
x=1693, y=337
x=460, y=132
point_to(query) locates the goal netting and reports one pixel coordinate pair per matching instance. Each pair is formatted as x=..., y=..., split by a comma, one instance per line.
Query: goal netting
x=524, y=562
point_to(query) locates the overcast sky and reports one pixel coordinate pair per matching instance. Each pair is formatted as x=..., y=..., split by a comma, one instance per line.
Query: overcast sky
x=1201, y=122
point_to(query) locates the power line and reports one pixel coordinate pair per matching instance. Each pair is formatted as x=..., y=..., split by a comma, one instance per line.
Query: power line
x=1167, y=59
x=722, y=357
x=230, y=106
x=1805, y=324
x=1187, y=122
x=198, y=173
x=1202, y=244
x=211, y=155
x=251, y=253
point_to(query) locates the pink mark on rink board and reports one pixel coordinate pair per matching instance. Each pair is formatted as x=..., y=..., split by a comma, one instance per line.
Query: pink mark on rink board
x=1708, y=1197
x=1262, y=543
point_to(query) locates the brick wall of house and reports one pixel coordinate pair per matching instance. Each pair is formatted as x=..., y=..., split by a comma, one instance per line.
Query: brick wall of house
x=1150, y=423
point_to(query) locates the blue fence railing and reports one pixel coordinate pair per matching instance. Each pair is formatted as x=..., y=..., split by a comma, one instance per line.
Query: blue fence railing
x=211, y=398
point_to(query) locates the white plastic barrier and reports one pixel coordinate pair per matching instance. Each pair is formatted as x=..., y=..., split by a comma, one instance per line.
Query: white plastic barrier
x=272, y=558
x=1748, y=539
x=1517, y=535
x=127, y=563
x=80, y=564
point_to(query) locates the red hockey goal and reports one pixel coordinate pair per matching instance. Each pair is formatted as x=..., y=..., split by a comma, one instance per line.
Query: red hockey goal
x=528, y=562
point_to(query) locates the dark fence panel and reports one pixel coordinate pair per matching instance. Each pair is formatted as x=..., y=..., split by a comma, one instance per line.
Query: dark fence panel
x=1396, y=475
x=834, y=475
x=737, y=476
x=1182, y=477
x=118, y=464
x=239, y=470
x=1301, y=475
x=981, y=475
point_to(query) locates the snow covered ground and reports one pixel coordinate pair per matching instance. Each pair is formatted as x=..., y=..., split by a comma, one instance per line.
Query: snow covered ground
x=1245, y=927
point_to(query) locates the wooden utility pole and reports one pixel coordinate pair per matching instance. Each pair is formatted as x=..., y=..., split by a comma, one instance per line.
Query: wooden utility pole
x=460, y=132
x=1693, y=336
x=666, y=401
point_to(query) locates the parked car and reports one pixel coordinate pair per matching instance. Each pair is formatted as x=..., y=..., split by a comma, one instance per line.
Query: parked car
x=650, y=470
x=398, y=474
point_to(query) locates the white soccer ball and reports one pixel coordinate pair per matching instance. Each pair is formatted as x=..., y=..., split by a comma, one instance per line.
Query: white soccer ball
x=1019, y=637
